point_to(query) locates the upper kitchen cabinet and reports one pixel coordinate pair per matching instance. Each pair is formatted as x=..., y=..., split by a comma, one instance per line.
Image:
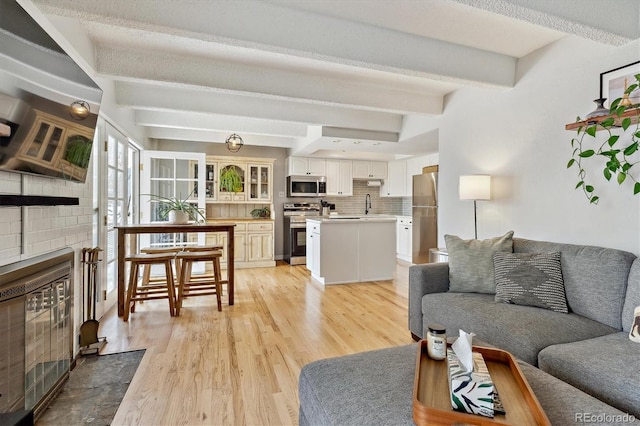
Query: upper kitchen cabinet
x=300, y=166
x=260, y=182
x=239, y=179
x=339, y=177
x=395, y=185
x=369, y=169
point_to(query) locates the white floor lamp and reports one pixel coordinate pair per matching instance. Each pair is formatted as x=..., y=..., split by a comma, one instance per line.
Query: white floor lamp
x=475, y=187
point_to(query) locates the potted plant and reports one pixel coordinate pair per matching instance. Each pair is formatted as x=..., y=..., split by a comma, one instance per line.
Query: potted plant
x=78, y=151
x=599, y=137
x=230, y=179
x=177, y=210
x=261, y=212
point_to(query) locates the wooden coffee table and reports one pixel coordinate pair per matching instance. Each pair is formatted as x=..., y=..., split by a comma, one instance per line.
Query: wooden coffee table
x=432, y=405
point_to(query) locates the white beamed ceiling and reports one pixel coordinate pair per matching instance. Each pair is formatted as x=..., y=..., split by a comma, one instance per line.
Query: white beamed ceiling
x=278, y=72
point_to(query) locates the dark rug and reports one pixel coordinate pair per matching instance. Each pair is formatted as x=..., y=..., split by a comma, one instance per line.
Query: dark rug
x=94, y=390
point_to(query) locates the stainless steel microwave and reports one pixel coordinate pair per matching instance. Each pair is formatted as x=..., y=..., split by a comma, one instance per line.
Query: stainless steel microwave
x=306, y=186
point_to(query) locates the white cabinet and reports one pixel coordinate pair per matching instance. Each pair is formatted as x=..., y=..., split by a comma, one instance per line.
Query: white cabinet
x=369, y=169
x=339, y=177
x=404, y=237
x=253, y=244
x=297, y=166
x=313, y=248
x=259, y=242
x=395, y=185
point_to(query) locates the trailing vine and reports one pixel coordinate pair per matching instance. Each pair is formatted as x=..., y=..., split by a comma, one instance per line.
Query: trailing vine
x=619, y=159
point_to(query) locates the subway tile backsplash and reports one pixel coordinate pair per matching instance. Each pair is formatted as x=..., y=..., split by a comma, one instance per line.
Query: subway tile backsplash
x=379, y=205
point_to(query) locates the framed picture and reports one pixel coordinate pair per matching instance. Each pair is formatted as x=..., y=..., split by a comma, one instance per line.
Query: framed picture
x=613, y=83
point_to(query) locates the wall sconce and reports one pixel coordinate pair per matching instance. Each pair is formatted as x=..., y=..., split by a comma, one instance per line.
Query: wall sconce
x=234, y=143
x=475, y=187
x=79, y=110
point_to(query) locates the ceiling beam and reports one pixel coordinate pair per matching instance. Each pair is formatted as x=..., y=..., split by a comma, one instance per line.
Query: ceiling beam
x=283, y=84
x=199, y=121
x=149, y=96
x=217, y=137
x=605, y=21
x=286, y=31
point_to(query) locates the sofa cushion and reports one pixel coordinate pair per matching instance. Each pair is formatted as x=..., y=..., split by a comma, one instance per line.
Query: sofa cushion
x=521, y=330
x=471, y=262
x=595, y=278
x=605, y=367
x=565, y=405
x=530, y=279
x=632, y=298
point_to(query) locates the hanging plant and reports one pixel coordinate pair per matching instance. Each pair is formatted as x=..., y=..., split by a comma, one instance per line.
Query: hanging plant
x=615, y=138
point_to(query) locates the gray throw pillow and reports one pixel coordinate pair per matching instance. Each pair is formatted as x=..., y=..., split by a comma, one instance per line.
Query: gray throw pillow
x=530, y=279
x=471, y=262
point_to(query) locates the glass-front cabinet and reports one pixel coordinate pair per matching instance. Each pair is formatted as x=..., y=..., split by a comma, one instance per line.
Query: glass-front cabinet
x=210, y=182
x=260, y=182
x=231, y=183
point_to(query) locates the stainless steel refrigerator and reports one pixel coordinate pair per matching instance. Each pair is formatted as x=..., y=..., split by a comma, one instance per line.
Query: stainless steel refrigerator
x=425, y=216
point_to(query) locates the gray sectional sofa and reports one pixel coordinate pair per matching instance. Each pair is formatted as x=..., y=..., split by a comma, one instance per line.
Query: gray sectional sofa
x=581, y=365
x=588, y=347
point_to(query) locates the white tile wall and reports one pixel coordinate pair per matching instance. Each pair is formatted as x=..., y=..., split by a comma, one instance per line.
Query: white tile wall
x=45, y=228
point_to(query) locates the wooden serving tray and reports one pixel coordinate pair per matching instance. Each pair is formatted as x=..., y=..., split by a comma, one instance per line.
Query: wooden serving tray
x=432, y=405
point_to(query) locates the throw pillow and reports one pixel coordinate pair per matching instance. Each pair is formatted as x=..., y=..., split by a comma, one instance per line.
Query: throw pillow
x=634, y=333
x=530, y=279
x=471, y=262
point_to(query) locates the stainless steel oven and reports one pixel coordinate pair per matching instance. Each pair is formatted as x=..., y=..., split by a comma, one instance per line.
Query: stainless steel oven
x=295, y=228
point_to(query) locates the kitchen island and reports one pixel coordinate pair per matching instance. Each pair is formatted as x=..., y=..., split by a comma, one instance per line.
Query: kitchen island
x=346, y=249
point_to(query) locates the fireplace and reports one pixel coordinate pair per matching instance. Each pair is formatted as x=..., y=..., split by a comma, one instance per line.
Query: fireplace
x=36, y=330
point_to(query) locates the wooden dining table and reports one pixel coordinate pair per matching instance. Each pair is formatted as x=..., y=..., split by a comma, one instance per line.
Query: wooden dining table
x=162, y=228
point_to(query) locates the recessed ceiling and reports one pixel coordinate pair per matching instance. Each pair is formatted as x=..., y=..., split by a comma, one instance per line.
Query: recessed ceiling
x=277, y=72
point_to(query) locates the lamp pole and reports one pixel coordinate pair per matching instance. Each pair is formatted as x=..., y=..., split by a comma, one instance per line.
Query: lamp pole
x=475, y=219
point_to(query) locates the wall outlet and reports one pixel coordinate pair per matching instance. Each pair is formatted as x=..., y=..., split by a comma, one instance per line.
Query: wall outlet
x=281, y=194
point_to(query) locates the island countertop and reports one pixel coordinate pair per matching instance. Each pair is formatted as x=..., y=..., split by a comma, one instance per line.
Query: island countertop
x=339, y=218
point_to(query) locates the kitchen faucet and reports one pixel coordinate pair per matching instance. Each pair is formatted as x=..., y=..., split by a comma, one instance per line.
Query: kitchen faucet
x=367, y=203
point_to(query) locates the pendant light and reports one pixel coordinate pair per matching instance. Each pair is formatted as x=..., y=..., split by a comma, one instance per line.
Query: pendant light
x=234, y=143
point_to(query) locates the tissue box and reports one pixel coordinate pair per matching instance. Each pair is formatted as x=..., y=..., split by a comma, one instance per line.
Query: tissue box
x=471, y=392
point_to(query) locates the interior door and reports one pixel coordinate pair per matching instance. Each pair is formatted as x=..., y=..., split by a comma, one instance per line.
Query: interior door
x=171, y=174
x=115, y=184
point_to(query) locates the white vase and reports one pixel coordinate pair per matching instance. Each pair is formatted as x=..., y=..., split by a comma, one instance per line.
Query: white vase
x=178, y=217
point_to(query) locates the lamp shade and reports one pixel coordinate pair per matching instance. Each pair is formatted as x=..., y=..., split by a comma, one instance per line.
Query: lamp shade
x=475, y=187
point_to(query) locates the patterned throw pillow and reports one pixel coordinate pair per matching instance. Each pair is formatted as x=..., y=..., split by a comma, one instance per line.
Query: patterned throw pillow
x=530, y=279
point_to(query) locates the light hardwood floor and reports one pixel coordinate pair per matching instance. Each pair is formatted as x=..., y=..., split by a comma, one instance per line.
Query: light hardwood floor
x=241, y=366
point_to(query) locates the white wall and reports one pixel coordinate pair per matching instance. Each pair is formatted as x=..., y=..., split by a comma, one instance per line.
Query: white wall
x=518, y=137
